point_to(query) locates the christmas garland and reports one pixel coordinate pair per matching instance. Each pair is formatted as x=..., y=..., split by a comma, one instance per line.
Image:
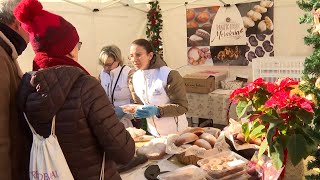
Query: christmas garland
x=154, y=26
x=312, y=75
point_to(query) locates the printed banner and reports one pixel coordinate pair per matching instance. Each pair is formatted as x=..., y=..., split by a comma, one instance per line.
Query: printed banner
x=227, y=28
x=231, y=35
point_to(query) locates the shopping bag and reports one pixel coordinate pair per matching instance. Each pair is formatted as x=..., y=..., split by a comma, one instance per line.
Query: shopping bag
x=46, y=158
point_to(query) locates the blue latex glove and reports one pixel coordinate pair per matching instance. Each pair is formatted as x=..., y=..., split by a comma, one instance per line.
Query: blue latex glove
x=147, y=111
x=119, y=112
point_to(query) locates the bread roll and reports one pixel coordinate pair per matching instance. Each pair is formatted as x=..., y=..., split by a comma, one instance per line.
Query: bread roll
x=134, y=132
x=256, y=141
x=209, y=138
x=186, y=138
x=241, y=137
x=202, y=143
x=153, y=151
x=186, y=146
x=196, y=130
x=213, y=131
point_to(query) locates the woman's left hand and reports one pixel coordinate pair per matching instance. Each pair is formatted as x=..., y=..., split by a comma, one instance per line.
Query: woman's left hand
x=119, y=112
x=147, y=111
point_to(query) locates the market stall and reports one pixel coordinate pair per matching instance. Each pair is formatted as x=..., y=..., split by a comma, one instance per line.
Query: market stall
x=196, y=153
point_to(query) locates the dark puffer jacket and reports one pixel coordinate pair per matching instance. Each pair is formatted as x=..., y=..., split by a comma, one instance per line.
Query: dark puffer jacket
x=86, y=124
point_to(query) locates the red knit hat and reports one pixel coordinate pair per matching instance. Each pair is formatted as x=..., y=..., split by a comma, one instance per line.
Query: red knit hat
x=48, y=32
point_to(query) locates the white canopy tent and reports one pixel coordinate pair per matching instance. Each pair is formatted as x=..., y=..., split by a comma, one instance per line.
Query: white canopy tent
x=103, y=22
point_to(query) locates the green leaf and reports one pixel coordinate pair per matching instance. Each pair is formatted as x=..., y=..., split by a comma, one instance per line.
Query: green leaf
x=277, y=155
x=297, y=148
x=263, y=147
x=311, y=138
x=283, y=139
x=269, y=118
x=242, y=107
x=304, y=115
x=270, y=132
x=245, y=131
x=256, y=131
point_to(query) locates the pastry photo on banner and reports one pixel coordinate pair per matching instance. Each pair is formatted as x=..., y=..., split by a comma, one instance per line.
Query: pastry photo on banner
x=232, y=35
x=258, y=20
x=199, y=22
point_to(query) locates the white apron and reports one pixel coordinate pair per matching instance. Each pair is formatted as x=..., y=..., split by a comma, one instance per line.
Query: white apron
x=149, y=86
x=118, y=92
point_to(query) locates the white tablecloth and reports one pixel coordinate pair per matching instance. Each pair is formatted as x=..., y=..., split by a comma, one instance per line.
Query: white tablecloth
x=213, y=106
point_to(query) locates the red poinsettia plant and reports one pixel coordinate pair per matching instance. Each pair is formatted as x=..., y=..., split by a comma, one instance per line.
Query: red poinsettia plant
x=281, y=115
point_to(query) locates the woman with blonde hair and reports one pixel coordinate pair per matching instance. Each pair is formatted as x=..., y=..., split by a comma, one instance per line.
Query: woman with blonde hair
x=114, y=80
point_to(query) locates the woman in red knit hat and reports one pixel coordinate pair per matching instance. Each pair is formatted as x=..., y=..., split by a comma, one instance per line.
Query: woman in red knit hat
x=86, y=124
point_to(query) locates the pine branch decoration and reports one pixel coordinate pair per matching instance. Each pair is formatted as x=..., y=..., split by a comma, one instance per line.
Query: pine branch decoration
x=311, y=72
x=154, y=27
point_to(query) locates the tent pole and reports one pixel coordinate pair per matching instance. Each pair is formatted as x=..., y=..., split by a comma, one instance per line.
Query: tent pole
x=185, y=4
x=132, y=7
x=77, y=4
x=109, y=5
x=223, y=2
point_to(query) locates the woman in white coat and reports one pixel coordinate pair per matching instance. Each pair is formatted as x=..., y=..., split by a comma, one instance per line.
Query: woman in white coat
x=114, y=80
x=160, y=89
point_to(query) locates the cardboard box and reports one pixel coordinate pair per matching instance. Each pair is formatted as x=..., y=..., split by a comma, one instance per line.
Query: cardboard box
x=203, y=82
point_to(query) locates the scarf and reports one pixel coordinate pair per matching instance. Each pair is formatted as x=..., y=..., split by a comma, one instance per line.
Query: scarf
x=18, y=42
x=43, y=60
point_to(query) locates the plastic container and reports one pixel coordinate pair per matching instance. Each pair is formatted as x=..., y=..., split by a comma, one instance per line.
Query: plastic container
x=225, y=165
x=273, y=68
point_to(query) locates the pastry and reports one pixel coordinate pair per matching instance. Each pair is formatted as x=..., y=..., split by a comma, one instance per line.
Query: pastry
x=262, y=26
x=206, y=25
x=240, y=137
x=209, y=138
x=202, y=33
x=193, y=54
x=269, y=23
x=213, y=9
x=203, y=17
x=190, y=14
x=201, y=9
x=247, y=22
x=195, y=40
x=196, y=130
x=192, y=24
x=213, y=131
x=153, y=151
x=186, y=146
x=255, y=16
x=260, y=9
x=221, y=56
x=130, y=108
x=185, y=139
x=266, y=3
x=256, y=141
x=135, y=133
x=203, y=144
x=143, y=138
